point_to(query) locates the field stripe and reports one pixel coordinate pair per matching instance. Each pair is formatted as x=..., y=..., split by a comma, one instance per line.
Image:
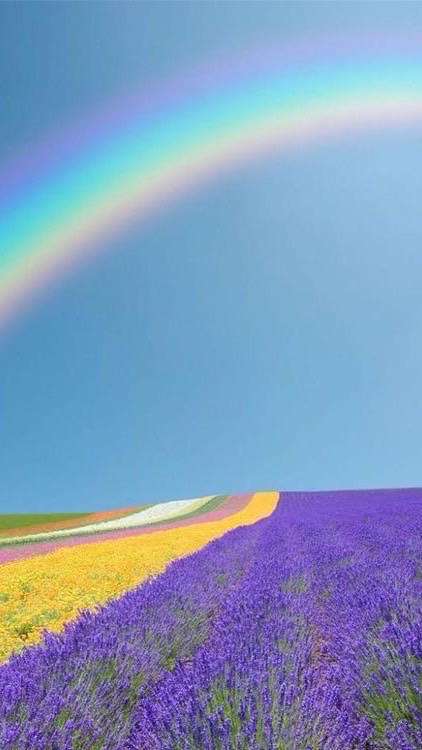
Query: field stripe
x=232, y=504
x=46, y=591
x=143, y=517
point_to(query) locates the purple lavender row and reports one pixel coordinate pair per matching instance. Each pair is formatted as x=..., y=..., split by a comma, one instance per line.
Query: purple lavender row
x=78, y=690
x=319, y=646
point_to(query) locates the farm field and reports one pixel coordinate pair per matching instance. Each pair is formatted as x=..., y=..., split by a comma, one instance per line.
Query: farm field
x=48, y=587
x=294, y=623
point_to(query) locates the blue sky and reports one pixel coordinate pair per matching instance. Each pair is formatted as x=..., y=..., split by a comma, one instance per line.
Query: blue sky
x=264, y=333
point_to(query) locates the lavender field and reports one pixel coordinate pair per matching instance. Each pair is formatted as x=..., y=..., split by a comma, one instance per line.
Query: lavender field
x=302, y=631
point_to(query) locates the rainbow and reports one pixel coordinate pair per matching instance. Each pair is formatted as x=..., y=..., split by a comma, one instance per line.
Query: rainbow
x=61, y=202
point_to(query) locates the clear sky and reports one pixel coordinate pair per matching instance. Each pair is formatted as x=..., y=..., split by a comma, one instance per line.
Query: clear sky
x=262, y=334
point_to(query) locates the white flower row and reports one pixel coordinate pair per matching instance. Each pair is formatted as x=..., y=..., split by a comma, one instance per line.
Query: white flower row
x=159, y=512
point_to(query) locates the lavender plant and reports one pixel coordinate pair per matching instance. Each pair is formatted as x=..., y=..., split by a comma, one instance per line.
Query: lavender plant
x=78, y=689
x=301, y=632
x=318, y=647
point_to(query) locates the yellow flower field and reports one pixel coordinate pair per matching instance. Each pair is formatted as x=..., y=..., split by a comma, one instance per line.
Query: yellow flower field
x=46, y=591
